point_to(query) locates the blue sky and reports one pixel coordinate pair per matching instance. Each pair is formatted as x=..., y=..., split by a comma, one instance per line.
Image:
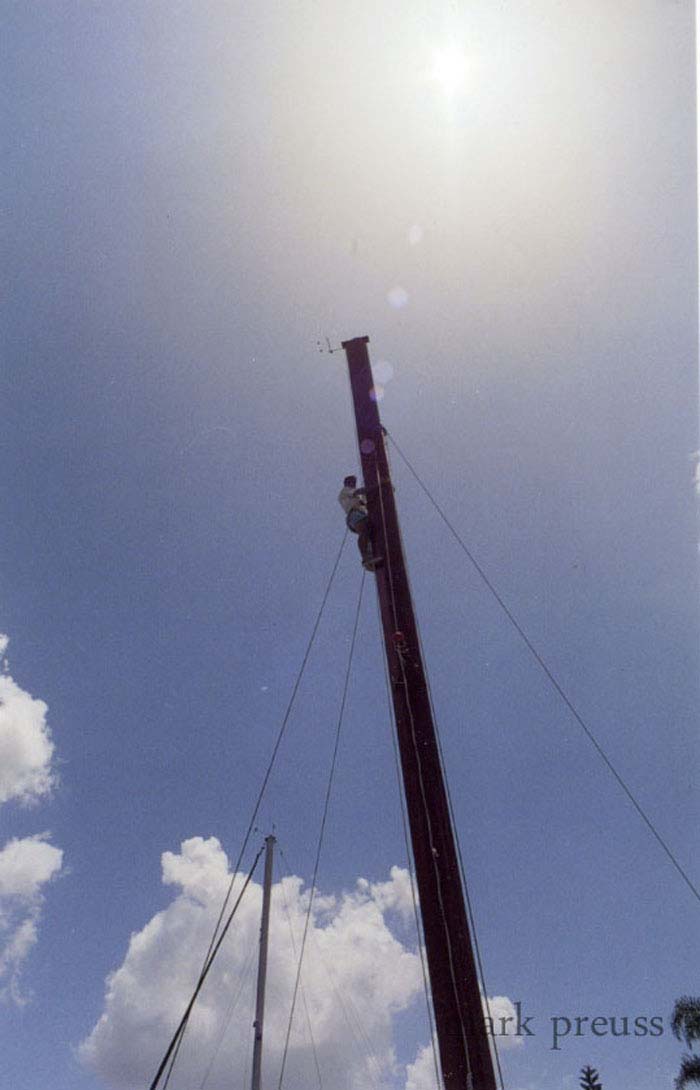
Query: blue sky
x=195, y=196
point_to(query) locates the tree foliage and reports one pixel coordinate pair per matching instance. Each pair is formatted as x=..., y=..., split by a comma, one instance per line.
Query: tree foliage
x=685, y=1020
x=589, y=1079
x=690, y=1072
x=685, y=1023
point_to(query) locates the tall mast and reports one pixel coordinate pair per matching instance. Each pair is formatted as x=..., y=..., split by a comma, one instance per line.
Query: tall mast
x=465, y=1055
x=262, y=965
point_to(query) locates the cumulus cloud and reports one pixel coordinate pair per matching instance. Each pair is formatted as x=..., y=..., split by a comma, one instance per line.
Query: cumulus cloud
x=26, y=866
x=392, y=895
x=503, y=1021
x=26, y=748
x=357, y=976
x=420, y=1075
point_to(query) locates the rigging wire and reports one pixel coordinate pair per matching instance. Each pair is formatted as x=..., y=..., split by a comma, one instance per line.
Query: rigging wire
x=173, y=1058
x=245, y=979
x=301, y=988
x=248, y=1049
x=426, y=811
x=460, y=860
x=357, y=1030
x=285, y=719
x=322, y=829
x=548, y=673
x=462, y=870
x=266, y=777
x=409, y=860
x=179, y=1032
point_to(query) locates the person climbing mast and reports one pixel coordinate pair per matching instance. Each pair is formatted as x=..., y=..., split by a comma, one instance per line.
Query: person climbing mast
x=353, y=500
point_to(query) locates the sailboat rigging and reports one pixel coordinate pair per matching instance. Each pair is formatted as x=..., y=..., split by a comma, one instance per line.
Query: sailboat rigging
x=465, y=1055
x=466, y=1059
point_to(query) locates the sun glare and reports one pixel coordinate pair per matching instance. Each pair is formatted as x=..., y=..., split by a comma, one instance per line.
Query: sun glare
x=449, y=70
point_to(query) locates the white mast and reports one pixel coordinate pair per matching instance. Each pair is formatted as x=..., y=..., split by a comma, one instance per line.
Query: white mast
x=262, y=965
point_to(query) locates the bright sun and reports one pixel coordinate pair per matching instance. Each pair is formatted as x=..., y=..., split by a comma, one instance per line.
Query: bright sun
x=449, y=70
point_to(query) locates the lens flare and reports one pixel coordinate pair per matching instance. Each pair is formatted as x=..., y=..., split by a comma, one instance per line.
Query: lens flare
x=397, y=297
x=383, y=372
x=449, y=70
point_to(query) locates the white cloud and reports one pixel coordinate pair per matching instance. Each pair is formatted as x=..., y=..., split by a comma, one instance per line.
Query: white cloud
x=26, y=748
x=356, y=977
x=392, y=895
x=26, y=865
x=420, y=1075
x=504, y=1022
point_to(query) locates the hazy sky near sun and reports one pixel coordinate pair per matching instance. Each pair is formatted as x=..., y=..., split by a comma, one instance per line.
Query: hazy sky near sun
x=195, y=197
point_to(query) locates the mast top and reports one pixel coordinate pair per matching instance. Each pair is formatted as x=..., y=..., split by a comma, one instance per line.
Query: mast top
x=354, y=340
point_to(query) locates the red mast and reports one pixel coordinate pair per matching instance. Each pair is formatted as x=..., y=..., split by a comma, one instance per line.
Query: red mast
x=465, y=1054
